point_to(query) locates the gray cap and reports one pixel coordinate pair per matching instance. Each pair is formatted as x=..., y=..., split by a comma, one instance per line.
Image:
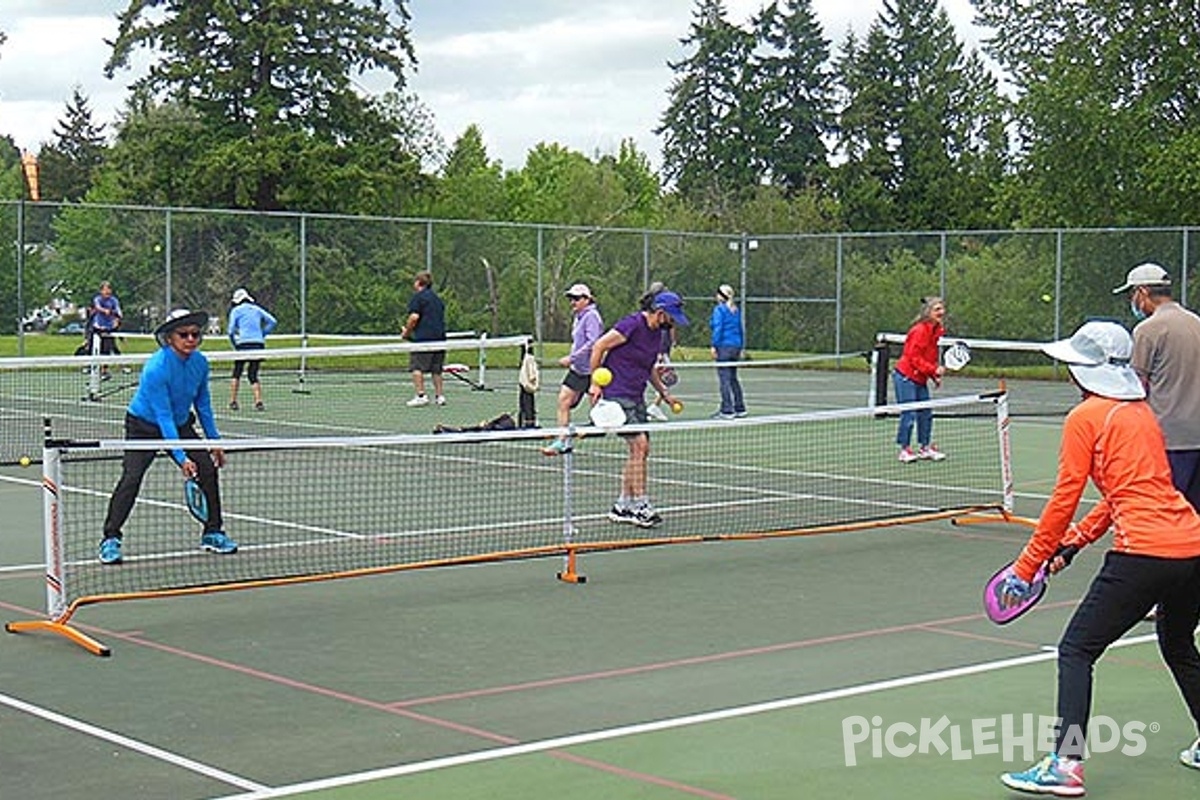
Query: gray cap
x=1144, y=275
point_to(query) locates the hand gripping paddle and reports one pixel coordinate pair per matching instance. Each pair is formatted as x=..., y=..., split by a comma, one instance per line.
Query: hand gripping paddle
x=993, y=592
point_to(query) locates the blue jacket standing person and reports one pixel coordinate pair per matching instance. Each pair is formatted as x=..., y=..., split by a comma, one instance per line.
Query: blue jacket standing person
x=727, y=344
x=249, y=326
x=426, y=322
x=171, y=396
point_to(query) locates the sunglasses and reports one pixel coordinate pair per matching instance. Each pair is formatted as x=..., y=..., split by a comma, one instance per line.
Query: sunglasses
x=188, y=334
x=574, y=297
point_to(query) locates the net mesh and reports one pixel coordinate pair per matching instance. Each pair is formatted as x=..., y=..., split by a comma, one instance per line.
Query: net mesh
x=1036, y=385
x=328, y=506
x=343, y=389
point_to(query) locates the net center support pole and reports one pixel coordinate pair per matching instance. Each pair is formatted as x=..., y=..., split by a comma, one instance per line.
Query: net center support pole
x=570, y=571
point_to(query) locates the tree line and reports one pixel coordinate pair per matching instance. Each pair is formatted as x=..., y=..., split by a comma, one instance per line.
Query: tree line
x=1073, y=115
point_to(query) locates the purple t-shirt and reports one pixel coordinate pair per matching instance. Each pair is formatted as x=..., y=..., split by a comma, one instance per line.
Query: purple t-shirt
x=632, y=361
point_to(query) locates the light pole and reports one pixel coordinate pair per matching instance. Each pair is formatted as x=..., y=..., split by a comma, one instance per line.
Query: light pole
x=743, y=246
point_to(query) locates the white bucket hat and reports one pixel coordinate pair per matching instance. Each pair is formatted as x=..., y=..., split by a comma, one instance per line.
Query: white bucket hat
x=1098, y=357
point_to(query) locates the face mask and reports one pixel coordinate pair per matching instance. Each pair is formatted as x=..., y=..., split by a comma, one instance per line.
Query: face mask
x=1138, y=314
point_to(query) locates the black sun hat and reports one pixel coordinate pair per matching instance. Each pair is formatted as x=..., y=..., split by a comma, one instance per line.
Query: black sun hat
x=177, y=319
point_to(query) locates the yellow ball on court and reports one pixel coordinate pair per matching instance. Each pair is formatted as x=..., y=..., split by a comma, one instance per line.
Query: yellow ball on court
x=677, y=407
x=25, y=461
x=602, y=376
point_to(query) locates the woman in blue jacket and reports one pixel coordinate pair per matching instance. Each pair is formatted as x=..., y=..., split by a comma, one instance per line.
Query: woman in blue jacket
x=249, y=326
x=727, y=345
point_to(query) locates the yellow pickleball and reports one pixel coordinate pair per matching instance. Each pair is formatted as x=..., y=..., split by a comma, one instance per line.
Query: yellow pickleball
x=602, y=376
x=677, y=407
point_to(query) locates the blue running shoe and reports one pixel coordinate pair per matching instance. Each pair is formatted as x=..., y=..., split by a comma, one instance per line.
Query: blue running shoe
x=218, y=542
x=1061, y=777
x=110, y=551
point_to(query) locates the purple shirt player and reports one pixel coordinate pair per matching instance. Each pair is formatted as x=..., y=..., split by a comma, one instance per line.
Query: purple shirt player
x=630, y=350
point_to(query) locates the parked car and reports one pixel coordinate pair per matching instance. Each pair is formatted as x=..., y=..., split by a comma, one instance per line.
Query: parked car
x=38, y=320
x=72, y=328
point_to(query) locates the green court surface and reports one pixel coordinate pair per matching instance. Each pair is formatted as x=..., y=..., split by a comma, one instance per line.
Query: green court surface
x=716, y=670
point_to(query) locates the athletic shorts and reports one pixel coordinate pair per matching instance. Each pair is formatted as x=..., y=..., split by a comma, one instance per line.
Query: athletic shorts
x=576, y=382
x=430, y=361
x=635, y=414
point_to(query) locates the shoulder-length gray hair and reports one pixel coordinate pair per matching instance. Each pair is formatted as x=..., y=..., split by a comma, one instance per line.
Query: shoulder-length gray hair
x=928, y=304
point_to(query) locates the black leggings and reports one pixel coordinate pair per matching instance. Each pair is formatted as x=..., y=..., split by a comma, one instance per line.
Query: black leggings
x=1121, y=595
x=133, y=468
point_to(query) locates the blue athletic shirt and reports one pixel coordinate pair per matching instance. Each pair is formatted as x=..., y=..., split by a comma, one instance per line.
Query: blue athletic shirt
x=250, y=324
x=170, y=386
x=105, y=322
x=726, y=325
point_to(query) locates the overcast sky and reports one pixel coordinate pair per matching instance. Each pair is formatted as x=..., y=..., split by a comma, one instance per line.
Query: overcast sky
x=583, y=74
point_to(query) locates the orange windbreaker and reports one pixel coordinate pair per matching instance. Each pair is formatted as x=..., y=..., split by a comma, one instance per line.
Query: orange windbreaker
x=1119, y=445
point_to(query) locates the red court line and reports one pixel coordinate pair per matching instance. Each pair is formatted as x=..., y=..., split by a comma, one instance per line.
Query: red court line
x=712, y=658
x=640, y=776
x=133, y=638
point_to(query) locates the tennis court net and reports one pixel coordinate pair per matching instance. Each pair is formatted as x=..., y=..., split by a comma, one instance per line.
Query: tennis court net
x=349, y=390
x=1036, y=385
x=318, y=508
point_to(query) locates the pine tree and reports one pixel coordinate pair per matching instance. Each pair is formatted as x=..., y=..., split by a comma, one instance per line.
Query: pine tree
x=793, y=85
x=922, y=130
x=709, y=125
x=70, y=161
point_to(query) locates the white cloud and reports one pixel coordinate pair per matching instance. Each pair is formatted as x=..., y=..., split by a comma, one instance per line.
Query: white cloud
x=585, y=75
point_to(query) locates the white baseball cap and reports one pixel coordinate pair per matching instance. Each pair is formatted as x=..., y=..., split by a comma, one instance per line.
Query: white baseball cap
x=241, y=296
x=1144, y=275
x=1098, y=357
x=579, y=290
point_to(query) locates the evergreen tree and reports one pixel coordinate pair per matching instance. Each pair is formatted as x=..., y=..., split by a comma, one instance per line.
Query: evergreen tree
x=267, y=89
x=793, y=88
x=710, y=125
x=866, y=180
x=70, y=161
x=922, y=131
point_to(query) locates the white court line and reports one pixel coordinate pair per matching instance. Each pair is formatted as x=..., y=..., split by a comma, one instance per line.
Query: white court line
x=660, y=725
x=132, y=744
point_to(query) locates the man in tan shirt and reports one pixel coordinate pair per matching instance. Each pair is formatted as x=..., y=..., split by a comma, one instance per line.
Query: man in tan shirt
x=1166, y=356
